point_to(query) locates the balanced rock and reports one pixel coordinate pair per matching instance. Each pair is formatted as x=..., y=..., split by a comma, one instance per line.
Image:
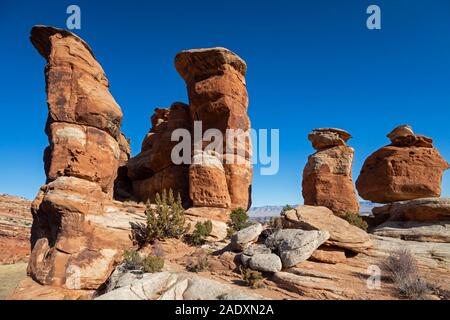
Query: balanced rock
x=218, y=98
x=243, y=238
x=296, y=245
x=327, y=177
x=409, y=168
x=342, y=234
x=78, y=232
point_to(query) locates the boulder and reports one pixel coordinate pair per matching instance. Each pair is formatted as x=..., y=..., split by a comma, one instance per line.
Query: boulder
x=342, y=234
x=409, y=168
x=243, y=238
x=177, y=286
x=426, y=209
x=295, y=245
x=252, y=250
x=325, y=138
x=266, y=262
x=327, y=176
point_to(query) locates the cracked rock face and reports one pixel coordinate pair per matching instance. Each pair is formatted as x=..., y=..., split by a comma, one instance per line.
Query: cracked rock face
x=409, y=168
x=77, y=236
x=327, y=176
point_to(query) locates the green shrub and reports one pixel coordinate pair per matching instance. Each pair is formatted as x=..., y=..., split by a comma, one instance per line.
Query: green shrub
x=152, y=264
x=356, y=220
x=239, y=220
x=201, y=232
x=198, y=263
x=132, y=259
x=166, y=220
x=251, y=277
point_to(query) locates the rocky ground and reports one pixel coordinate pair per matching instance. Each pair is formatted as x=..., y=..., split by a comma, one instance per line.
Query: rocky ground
x=344, y=278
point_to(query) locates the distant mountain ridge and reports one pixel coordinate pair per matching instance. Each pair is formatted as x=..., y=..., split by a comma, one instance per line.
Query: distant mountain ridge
x=271, y=211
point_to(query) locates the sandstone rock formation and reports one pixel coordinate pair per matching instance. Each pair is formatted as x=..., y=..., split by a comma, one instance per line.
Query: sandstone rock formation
x=409, y=168
x=15, y=222
x=152, y=170
x=426, y=209
x=218, y=99
x=327, y=177
x=78, y=233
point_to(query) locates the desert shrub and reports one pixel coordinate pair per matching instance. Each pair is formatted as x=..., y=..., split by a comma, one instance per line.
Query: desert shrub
x=201, y=232
x=239, y=220
x=152, y=264
x=138, y=234
x=166, y=220
x=356, y=220
x=286, y=208
x=404, y=273
x=132, y=259
x=198, y=263
x=251, y=277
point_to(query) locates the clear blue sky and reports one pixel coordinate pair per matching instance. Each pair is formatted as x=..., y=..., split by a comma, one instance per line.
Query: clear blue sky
x=310, y=64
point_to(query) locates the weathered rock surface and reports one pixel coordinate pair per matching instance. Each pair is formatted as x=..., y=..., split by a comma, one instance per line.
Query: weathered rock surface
x=296, y=245
x=243, y=238
x=415, y=231
x=266, y=262
x=15, y=223
x=215, y=80
x=325, y=138
x=217, y=216
x=426, y=209
x=327, y=176
x=342, y=233
x=252, y=250
x=218, y=100
x=329, y=254
x=409, y=168
x=177, y=286
x=434, y=256
x=208, y=182
x=78, y=232
x=153, y=170
x=77, y=87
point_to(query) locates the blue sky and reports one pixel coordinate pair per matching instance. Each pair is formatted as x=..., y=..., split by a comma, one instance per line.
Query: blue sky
x=310, y=64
